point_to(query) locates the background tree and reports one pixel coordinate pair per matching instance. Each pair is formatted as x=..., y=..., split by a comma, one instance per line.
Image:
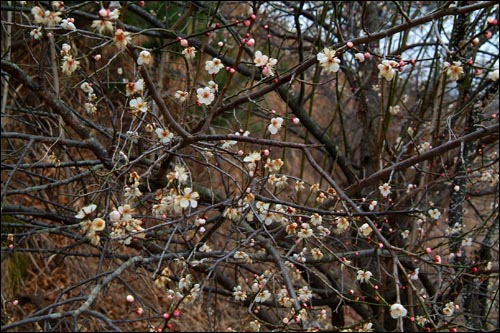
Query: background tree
x=220, y=166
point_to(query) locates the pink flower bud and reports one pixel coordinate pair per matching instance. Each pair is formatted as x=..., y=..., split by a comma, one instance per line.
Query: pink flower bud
x=246, y=23
x=139, y=311
x=220, y=44
x=266, y=71
x=350, y=44
x=232, y=70
x=475, y=41
x=184, y=42
x=428, y=250
x=268, y=36
x=166, y=316
x=240, y=152
x=251, y=42
x=130, y=299
x=15, y=302
x=103, y=13
x=97, y=57
x=265, y=152
x=253, y=17
x=295, y=121
x=177, y=313
x=492, y=21
x=487, y=34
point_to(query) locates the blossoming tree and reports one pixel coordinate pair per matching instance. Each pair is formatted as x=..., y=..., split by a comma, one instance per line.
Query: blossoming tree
x=254, y=166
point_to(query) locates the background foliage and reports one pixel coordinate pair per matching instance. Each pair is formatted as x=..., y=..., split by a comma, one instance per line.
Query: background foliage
x=343, y=174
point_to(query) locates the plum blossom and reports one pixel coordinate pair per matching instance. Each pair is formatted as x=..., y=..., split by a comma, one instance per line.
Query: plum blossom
x=189, y=199
x=385, y=189
x=136, y=87
x=454, y=70
x=205, y=95
x=328, y=60
x=181, y=95
x=449, y=309
x=98, y=224
x=180, y=174
x=262, y=296
x=359, y=57
x=36, y=33
x=214, y=66
x=239, y=294
x=316, y=219
x=365, y=230
x=69, y=65
x=214, y=87
x=87, y=88
x=342, y=224
x=275, y=125
x=363, y=276
x=164, y=135
x=252, y=159
x=267, y=64
x=144, y=58
x=102, y=26
x=85, y=211
x=189, y=52
x=434, y=213
x=138, y=104
x=387, y=69
x=121, y=38
x=46, y=17
x=68, y=24
x=397, y=311
x=260, y=59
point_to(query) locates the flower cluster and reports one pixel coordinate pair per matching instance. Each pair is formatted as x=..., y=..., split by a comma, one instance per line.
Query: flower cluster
x=449, y=309
x=46, y=17
x=69, y=64
x=89, y=106
x=91, y=228
x=176, y=198
x=125, y=227
x=267, y=64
